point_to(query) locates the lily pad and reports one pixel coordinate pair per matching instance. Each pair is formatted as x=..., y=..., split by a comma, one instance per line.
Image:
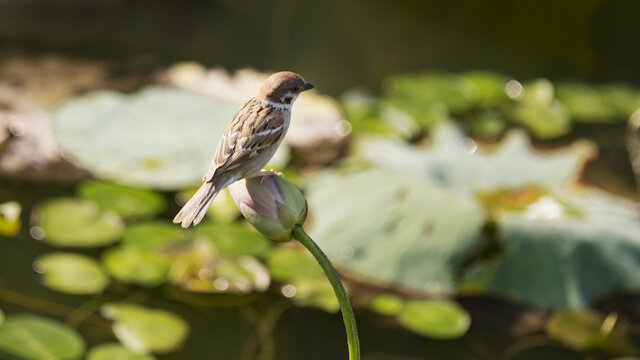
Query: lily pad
x=32, y=337
x=10, y=218
x=155, y=235
x=71, y=222
x=394, y=227
x=133, y=265
x=439, y=319
x=234, y=239
x=127, y=201
x=159, y=137
x=145, y=330
x=71, y=273
x=387, y=304
x=564, y=250
x=585, y=330
x=286, y=264
x=115, y=352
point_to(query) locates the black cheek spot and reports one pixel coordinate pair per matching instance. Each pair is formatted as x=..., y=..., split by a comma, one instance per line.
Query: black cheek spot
x=287, y=100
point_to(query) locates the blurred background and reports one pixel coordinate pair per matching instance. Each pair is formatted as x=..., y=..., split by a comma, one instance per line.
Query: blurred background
x=471, y=168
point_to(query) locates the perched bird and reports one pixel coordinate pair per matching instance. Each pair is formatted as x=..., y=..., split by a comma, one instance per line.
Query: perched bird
x=248, y=143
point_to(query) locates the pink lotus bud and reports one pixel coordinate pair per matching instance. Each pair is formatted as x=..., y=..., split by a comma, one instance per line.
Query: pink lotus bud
x=272, y=204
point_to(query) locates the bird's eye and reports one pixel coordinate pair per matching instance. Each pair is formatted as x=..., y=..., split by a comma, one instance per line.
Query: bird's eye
x=296, y=89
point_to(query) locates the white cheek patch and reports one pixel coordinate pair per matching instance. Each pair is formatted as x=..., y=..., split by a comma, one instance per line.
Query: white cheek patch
x=277, y=106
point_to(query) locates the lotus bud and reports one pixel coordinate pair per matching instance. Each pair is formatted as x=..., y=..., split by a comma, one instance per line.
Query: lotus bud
x=272, y=204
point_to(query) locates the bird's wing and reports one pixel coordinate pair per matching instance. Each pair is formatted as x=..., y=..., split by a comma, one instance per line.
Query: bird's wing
x=255, y=127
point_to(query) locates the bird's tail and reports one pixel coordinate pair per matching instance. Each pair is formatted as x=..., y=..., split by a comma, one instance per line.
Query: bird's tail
x=194, y=210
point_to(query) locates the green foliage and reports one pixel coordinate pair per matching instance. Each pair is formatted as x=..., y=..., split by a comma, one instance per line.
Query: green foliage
x=69, y=222
x=115, y=352
x=286, y=263
x=387, y=304
x=155, y=235
x=555, y=245
x=372, y=217
x=145, y=330
x=71, y=273
x=586, y=330
x=132, y=265
x=438, y=319
x=127, y=201
x=234, y=239
x=10, y=218
x=487, y=103
x=33, y=337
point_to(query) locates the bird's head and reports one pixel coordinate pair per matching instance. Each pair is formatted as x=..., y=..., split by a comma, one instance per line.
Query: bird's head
x=283, y=88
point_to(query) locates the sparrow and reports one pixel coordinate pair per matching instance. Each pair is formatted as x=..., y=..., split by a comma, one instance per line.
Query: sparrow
x=248, y=143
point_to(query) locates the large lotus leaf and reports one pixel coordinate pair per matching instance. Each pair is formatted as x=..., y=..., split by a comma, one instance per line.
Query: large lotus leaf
x=158, y=137
x=124, y=200
x=394, y=227
x=115, y=352
x=32, y=337
x=457, y=163
x=564, y=250
x=145, y=330
x=71, y=273
x=71, y=222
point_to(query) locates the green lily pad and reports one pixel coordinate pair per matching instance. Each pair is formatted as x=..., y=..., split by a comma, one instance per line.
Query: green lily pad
x=115, y=352
x=564, y=251
x=235, y=239
x=155, y=235
x=489, y=86
x=145, y=330
x=585, y=330
x=36, y=338
x=387, y=304
x=10, y=218
x=437, y=319
x=371, y=217
x=71, y=273
x=78, y=223
x=287, y=264
x=584, y=102
x=132, y=265
x=127, y=201
x=540, y=112
x=159, y=137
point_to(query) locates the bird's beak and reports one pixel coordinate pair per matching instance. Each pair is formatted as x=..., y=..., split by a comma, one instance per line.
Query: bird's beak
x=307, y=86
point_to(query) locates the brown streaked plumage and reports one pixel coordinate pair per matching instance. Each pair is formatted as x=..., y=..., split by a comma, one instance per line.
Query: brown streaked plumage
x=248, y=143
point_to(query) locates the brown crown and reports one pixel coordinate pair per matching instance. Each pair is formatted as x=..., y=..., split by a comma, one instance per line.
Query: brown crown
x=278, y=84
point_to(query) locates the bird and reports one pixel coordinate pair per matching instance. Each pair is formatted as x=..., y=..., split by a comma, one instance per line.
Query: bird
x=249, y=141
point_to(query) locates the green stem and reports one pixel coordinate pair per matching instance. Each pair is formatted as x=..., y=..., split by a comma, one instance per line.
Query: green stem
x=345, y=306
